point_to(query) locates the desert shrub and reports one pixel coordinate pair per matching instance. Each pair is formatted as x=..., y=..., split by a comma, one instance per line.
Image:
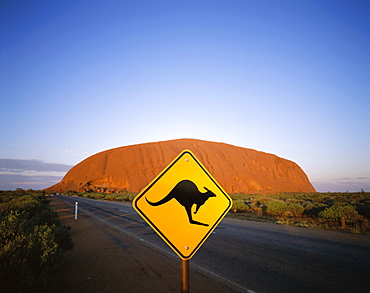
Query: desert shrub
x=111, y=197
x=361, y=225
x=296, y=209
x=239, y=206
x=355, y=222
x=364, y=210
x=132, y=196
x=336, y=212
x=276, y=207
x=263, y=200
x=32, y=243
x=308, y=205
x=121, y=196
x=313, y=209
x=25, y=203
x=317, y=197
x=97, y=195
x=127, y=197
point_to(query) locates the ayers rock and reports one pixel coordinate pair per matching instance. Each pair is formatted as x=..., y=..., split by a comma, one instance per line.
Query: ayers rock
x=237, y=169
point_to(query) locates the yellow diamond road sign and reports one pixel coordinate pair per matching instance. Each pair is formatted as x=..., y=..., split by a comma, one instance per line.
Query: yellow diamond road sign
x=183, y=204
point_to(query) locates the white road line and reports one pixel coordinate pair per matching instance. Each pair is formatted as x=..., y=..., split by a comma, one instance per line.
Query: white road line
x=233, y=284
x=199, y=268
x=123, y=210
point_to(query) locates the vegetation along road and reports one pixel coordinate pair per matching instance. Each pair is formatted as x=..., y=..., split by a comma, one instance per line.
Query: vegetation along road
x=254, y=256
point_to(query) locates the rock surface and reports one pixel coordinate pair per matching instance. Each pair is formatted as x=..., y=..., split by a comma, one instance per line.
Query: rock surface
x=237, y=169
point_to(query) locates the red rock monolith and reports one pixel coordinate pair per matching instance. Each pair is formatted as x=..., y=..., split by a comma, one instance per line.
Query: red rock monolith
x=237, y=169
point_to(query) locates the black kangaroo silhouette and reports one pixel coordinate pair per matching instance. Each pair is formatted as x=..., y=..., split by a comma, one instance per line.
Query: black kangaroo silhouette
x=187, y=194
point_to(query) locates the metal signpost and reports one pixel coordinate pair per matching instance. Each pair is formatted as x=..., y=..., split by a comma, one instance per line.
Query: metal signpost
x=183, y=204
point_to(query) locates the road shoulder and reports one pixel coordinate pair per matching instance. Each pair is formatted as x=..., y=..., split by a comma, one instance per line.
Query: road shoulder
x=105, y=260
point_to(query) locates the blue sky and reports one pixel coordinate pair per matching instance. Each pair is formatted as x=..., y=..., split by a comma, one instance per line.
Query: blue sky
x=290, y=78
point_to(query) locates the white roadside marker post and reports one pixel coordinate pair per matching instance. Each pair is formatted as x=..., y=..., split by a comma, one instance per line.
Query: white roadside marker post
x=76, y=209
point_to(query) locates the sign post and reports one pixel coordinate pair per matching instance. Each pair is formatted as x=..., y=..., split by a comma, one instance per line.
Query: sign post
x=183, y=204
x=184, y=276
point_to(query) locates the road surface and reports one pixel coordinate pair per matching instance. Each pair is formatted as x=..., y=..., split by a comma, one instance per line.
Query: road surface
x=255, y=256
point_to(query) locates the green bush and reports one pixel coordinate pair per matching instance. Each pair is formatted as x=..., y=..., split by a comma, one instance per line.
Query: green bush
x=296, y=209
x=111, y=197
x=239, y=206
x=32, y=242
x=336, y=212
x=122, y=196
x=276, y=208
x=279, y=208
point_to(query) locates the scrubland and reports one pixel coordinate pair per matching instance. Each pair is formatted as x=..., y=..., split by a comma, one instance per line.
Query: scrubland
x=336, y=211
x=32, y=241
x=344, y=211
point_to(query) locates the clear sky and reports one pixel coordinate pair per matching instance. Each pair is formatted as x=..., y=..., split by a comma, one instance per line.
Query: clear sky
x=291, y=78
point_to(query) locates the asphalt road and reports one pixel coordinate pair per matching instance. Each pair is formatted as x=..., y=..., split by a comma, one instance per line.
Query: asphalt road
x=254, y=256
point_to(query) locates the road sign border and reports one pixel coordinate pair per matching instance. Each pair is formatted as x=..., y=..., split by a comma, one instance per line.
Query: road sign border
x=142, y=193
